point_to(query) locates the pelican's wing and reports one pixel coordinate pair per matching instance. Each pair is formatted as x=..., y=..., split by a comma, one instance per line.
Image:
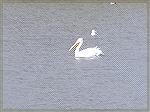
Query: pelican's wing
x=89, y=52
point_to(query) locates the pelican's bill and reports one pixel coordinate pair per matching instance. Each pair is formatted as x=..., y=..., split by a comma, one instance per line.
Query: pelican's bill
x=74, y=46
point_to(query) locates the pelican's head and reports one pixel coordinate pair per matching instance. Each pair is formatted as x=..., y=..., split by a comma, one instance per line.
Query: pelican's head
x=77, y=44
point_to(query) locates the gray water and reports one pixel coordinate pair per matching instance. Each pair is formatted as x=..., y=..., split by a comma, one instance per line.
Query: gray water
x=40, y=72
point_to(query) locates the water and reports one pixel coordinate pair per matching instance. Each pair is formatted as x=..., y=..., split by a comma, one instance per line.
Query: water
x=40, y=72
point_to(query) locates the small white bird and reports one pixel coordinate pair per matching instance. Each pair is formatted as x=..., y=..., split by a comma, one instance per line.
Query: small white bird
x=113, y=3
x=93, y=33
x=89, y=52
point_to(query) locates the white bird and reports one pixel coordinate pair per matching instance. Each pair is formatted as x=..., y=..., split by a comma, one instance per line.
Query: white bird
x=89, y=52
x=93, y=33
x=113, y=3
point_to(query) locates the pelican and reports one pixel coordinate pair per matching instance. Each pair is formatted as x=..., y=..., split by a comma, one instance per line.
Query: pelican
x=89, y=52
x=93, y=33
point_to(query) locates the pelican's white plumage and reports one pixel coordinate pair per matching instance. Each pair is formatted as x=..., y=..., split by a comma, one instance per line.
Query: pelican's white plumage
x=89, y=52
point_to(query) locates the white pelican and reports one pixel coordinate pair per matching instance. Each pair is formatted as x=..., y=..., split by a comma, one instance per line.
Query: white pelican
x=89, y=52
x=93, y=33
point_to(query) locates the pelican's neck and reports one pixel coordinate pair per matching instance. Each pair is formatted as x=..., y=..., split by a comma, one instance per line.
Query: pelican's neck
x=78, y=47
x=77, y=50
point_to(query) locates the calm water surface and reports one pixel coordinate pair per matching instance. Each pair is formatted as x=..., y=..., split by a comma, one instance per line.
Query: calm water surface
x=40, y=72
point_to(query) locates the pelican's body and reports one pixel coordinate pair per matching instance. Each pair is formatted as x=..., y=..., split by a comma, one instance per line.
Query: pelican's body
x=89, y=52
x=93, y=33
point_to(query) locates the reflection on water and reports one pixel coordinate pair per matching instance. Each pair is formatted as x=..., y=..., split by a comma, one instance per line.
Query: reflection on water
x=89, y=58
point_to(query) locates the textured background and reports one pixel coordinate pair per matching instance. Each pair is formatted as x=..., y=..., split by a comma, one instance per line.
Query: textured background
x=40, y=73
